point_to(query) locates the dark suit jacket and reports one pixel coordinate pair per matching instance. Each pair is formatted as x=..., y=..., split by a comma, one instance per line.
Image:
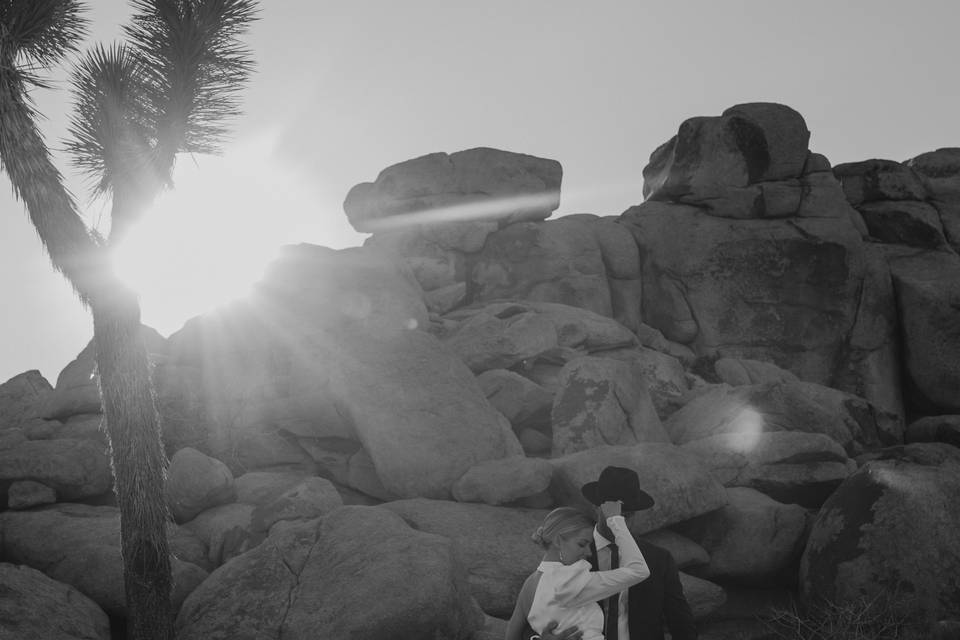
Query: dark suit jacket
x=657, y=601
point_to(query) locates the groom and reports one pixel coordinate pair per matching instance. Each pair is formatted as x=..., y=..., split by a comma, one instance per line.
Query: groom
x=640, y=612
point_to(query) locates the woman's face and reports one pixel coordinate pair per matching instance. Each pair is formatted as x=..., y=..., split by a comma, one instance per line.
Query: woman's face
x=575, y=546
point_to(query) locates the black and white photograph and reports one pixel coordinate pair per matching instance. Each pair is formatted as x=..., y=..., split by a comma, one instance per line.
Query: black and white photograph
x=479, y=320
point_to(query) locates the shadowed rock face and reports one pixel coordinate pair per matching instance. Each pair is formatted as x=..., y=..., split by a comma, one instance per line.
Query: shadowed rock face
x=779, y=290
x=753, y=539
x=890, y=530
x=79, y=545
x=35, y=606
x=911, y=215
x=745, y=163
x=555, y=261
x=927, y=290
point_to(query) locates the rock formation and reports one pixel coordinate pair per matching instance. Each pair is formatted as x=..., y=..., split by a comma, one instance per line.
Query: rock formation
x=752, y=339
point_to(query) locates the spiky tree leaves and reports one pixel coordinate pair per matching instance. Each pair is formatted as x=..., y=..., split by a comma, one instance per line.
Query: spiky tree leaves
x=137, y=107
x=197, y=65
x=35, y=34
x=109, y=139
x=169, y=90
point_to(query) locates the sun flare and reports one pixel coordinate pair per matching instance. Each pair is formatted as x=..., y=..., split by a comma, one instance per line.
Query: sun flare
x=206, y=241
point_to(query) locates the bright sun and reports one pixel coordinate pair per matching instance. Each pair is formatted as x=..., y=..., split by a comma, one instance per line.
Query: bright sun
x=207, y=241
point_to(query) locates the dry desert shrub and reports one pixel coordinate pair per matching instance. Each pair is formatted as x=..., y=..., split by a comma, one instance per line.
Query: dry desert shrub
x=868, y=619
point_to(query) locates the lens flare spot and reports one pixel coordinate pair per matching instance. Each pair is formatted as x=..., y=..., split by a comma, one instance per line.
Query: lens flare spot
x=748, y=425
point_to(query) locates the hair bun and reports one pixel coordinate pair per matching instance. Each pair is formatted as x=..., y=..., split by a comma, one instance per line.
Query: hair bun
x=537, y=537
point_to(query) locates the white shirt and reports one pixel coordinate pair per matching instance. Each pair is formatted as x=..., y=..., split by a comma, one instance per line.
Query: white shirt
x=568, y=593
x=603, y=564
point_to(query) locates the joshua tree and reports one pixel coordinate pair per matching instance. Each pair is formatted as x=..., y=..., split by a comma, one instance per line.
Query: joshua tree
x=138, y=105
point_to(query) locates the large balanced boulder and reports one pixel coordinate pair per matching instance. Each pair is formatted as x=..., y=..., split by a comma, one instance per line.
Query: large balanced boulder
x=492, y=543
x=481, y=183
x=889, y=531
x=357, y=572
x=678, y=481
x=35, y=607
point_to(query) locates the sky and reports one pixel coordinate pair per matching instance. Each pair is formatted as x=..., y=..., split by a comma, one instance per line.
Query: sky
x=345, y=89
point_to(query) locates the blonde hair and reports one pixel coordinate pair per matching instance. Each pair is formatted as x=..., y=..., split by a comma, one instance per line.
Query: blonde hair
x=560, y=522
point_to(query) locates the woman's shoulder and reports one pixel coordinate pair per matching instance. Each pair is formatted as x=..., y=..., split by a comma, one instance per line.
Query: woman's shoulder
x=528, y=590
x=532, y=580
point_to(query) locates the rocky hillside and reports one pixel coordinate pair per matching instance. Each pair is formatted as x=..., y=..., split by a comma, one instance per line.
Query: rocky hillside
x=771, y=342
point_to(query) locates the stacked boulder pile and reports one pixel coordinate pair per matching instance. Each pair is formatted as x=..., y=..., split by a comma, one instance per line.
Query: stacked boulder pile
x=772, y=343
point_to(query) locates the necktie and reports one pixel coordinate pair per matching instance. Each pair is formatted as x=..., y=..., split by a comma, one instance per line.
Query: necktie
x=611, y=622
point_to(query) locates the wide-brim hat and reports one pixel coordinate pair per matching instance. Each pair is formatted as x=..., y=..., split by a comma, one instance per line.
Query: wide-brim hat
x=618, y=483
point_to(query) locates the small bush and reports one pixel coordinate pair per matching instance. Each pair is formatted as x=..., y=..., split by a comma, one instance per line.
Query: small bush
x=873, y=619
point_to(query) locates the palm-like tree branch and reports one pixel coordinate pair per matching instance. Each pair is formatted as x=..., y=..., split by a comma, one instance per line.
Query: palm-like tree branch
x=169, y=91
x=198, y=65
x=38, y=33
x=136, y=108
x=33, y=35
x=109, y=139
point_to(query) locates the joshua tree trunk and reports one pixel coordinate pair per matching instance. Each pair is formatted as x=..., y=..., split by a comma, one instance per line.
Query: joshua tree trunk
x=138, y=459
x=137, y=109
x=129, y=406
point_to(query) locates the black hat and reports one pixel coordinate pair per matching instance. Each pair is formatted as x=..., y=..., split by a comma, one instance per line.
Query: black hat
x=617, y=483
